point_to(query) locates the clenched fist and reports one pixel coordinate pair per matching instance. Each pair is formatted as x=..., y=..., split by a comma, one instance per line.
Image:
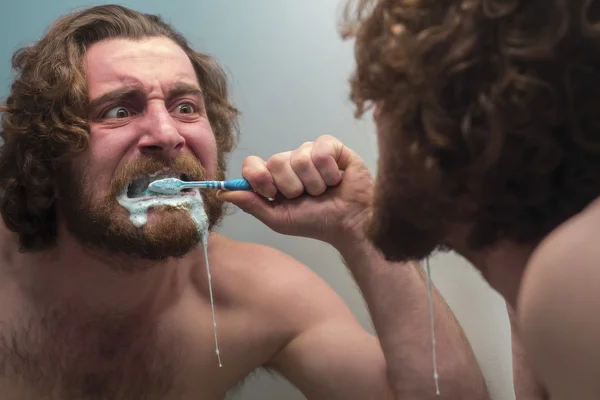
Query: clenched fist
x=321, y=190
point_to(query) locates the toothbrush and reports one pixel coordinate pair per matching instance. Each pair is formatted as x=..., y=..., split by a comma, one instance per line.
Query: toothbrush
x=174, y=185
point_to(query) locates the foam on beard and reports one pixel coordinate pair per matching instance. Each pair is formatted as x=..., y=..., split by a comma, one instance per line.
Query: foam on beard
x=137, y=201
x=191, y=201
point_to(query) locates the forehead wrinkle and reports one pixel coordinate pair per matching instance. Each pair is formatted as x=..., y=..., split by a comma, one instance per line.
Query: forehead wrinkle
x=133, y=87
x=111, y=74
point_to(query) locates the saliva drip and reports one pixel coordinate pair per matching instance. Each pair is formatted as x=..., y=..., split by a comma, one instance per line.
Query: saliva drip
x=212, y=302
x=432, y=326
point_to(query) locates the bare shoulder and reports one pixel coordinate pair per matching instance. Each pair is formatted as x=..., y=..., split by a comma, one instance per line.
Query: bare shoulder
x=571, y=249
x=559, y=304
x=268, y=279
x=570, y=252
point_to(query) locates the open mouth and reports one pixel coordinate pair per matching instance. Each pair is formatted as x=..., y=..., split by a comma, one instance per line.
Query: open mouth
x=139, y=186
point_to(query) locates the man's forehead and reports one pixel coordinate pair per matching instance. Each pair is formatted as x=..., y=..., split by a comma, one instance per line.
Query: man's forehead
x=175, y=83
x=148, y=64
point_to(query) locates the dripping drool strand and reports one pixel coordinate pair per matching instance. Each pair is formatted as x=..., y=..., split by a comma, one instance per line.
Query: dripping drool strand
x=212, y=302
x=431, y=321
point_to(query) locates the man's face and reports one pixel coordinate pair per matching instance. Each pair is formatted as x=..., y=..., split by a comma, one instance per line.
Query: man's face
x=403, y=224
x=147, y=115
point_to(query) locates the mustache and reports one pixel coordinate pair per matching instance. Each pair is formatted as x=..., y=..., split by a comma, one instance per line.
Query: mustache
x=183, y=164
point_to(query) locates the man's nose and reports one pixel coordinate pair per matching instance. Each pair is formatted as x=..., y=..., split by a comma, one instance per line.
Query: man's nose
x=159, y=133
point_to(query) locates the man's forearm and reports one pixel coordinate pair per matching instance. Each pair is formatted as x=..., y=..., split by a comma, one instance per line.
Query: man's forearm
x=396, y=294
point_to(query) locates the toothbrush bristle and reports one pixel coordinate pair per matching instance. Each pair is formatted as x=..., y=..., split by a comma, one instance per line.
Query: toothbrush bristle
x=165, y=186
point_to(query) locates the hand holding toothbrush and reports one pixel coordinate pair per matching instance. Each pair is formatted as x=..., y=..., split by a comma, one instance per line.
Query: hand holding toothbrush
x=321, y=190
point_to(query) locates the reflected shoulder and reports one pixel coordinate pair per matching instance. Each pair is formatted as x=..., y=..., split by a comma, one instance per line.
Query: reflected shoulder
x=558, y=306
x=575, y=242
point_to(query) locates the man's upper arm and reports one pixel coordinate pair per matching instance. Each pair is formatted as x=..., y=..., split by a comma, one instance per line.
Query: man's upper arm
x=335, y=360
x=558, y=309
x=329, y=355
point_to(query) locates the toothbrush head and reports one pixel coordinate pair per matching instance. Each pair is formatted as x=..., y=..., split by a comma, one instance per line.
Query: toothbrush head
x=165, y=186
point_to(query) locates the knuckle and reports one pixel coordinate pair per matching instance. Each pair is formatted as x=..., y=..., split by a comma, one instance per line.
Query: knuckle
x=262, y=181
x=301, y=163
x=254, y=174
x=258, y=175
x=249, y=170
x=321, y=158
x=326, y=138
x=278, y=161
x=252, y=165
x=250, y=161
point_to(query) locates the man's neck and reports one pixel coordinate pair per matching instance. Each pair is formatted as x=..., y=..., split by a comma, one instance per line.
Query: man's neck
x=70, y=273
x=502, y=266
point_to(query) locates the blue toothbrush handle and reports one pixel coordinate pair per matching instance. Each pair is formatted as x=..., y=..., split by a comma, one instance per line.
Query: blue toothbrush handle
x=237, y=184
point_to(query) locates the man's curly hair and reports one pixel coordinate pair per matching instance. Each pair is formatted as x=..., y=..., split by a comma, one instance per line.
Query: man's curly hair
x=494, y=101
x=44, y=120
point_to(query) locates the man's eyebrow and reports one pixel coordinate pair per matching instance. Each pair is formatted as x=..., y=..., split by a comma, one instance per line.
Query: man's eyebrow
x=180, y=89
x=116, y=95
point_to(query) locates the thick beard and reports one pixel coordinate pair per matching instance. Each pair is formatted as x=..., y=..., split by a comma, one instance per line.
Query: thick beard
x=403, y=223
x=102, y=225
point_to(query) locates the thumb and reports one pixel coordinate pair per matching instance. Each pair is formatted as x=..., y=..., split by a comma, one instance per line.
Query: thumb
x=251, y=203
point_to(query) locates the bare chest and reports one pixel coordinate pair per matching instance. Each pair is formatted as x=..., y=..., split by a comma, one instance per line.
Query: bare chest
x=48, y=356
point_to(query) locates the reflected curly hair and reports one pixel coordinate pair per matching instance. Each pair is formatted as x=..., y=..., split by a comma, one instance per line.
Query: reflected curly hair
x=495, y=101
x=43, y=121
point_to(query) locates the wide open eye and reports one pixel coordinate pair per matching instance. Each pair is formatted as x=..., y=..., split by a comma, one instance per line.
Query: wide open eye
x=118, y=112
x=186, y=108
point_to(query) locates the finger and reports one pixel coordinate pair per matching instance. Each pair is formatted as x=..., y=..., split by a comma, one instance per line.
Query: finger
x=255, y=170
x=286, y=180
x=305, y=169
x=327, y=148
x=324, y=155
x=255, y=205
